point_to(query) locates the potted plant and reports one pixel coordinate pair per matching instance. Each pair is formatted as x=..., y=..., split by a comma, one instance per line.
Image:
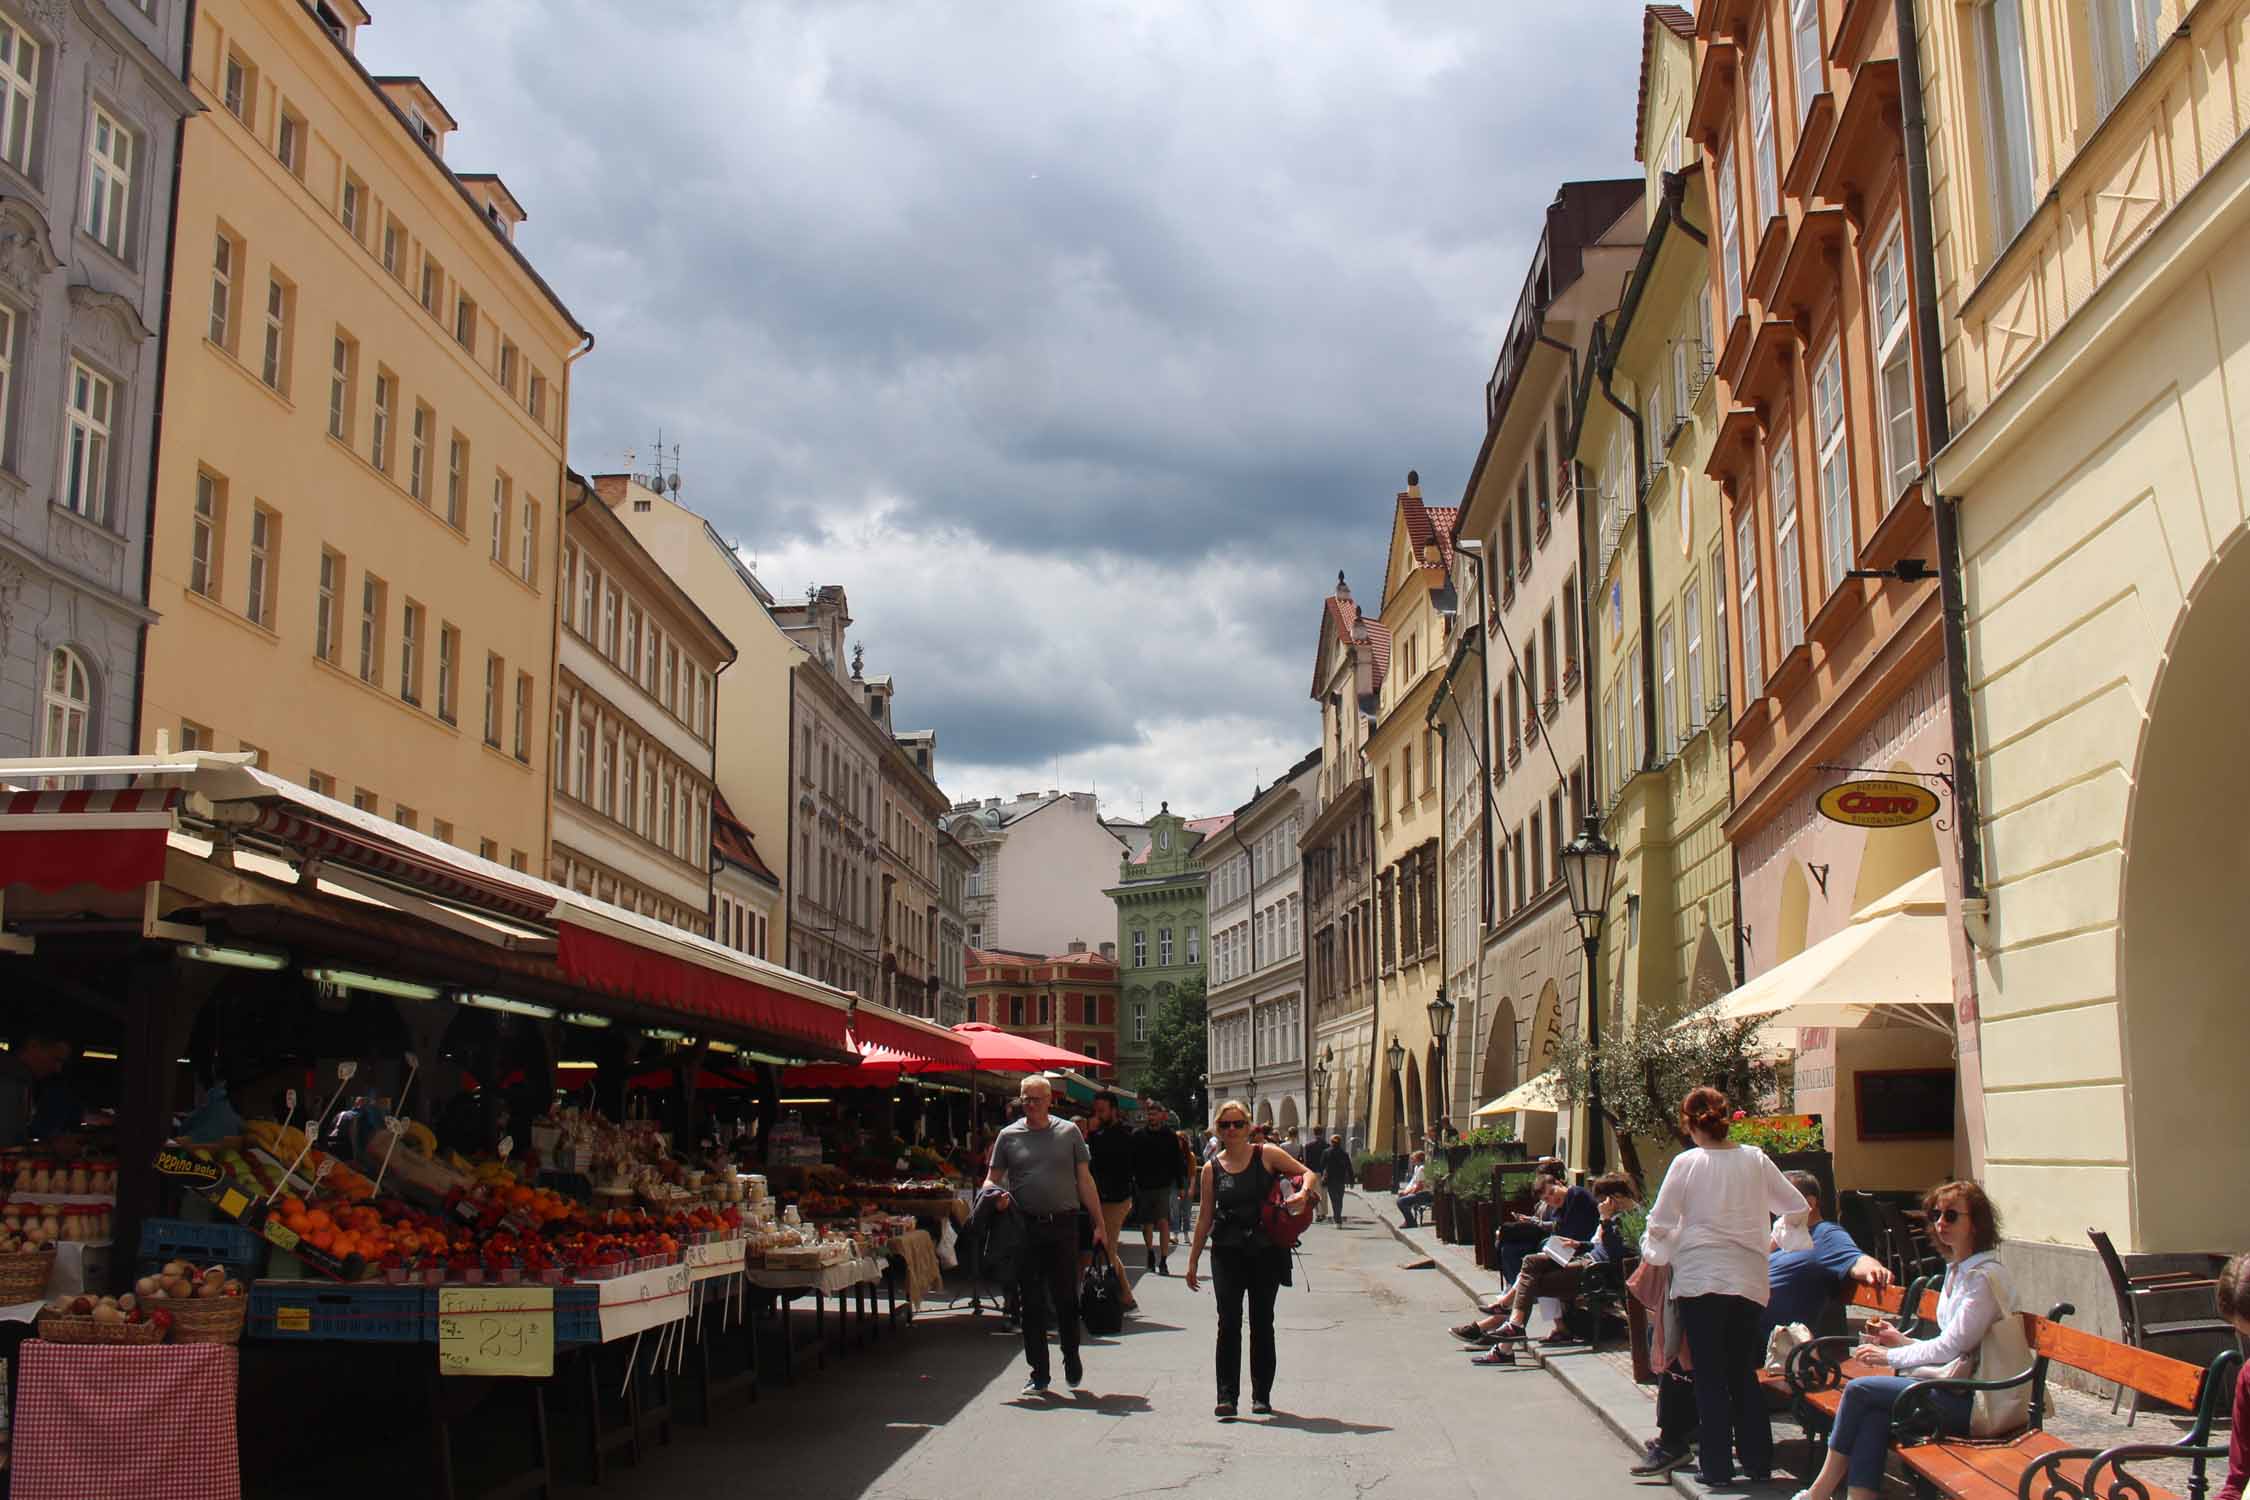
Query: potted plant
x=1374, y=1171
x=1437, y=1176
x=1795, y=1143
x=1472, y=1210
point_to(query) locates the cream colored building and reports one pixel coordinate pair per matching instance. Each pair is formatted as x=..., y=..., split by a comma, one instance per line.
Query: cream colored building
x=753, y=759
x=1523, y=653
x=1339, y=879
x=1402, y=758
x=1044, y=864
x=2089, y=197
x=636, y=723
x=357, y=521
x=1255, y=987
x=1645, y=413
x=912, y=909
x=837, y=754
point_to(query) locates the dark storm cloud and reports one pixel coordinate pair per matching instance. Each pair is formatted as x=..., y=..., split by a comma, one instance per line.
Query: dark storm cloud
x=1169, y=296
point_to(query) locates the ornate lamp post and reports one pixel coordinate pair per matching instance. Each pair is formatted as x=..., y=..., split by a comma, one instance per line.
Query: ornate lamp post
x=1320, y=1093
x=1396, y=1055
x=1589, y=866
x=1441, y=1025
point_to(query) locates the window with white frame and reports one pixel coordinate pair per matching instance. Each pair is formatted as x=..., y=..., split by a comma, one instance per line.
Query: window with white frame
x=1789, y=573
x=222, y=284
x=1721, y=686
x=1765, y=156
x=1164, y=947
x=457, y=482
x=386, y=398
x=66, y=705
x=86, y=478
x=1894, y=381
x=328, y=624
x=371, y=629
x=203, y=542
x=353, y=208
x=235, y=88
x=19, y=94
x=1730, y=237
x=274, y=369
x=1636, y=753
x=410, y=652
x=527, y=550
x=1804, y=44
x=1753, y=628
x=109, y=182
x=265, y=542
x=7, y=371
x=2125, y=42
x=1691, y=630
x=1667, y=692
x=418, y=453
x=2007, y=115
x=1837, y=546
x=342, y=361
x=500, y=496
x=448, y=673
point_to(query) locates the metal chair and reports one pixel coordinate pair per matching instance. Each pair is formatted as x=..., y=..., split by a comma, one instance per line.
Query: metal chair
x=1908, y=1255
x=2140, y=1331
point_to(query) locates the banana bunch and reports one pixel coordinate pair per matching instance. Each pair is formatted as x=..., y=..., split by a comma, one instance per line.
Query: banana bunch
x=419, y=1139
x=282, y=1141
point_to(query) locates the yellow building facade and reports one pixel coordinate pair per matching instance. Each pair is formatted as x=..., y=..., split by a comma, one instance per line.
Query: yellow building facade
x=1402, y=760
x=1645, y=417
x=2089, y=195
x=357, y=518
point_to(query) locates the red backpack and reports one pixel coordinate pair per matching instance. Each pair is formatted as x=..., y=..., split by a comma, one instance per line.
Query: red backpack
x=1284, y=1225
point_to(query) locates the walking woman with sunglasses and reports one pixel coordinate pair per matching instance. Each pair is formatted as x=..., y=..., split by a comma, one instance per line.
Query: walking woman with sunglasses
x=1230, y=1202
x=1975, y=1310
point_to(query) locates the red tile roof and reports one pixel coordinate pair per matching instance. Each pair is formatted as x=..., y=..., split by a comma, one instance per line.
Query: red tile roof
x=1379, y=646
x=1426, y=524
x=732, y=838
x=1209, y=826
x=1682, y=25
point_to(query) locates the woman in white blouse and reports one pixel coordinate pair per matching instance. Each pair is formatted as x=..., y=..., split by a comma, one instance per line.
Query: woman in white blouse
x=1965, y=1227
x=1712, y=1224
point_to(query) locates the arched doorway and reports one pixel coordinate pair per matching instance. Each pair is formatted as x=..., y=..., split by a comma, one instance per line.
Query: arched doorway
x=1546, y=1031
x=2184, y=942
x=1289, y=1120
x=1265, y=1112
x=1498, y=1073
x=1417, y=1123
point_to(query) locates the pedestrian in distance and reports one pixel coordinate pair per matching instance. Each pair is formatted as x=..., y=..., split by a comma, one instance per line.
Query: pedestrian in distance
x=1040, y=1166
x=1335, y=1175
x=1712, y=1223
x=1159, y=1172
x=1245, y=1263
x=1415, y=1195
x=1110, y=1144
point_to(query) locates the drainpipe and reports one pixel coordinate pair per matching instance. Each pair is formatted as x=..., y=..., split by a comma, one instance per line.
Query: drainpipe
x=163, y=357
x=1929, y=343
x=1646, y=580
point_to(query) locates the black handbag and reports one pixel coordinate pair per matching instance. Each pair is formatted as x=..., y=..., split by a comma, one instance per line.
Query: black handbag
x=1101, y=1302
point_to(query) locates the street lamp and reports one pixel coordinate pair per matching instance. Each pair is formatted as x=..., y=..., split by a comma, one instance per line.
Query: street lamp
x=1396, y=1054
x=1589, y=866
x=1441, y=1024
x=1320, y=1090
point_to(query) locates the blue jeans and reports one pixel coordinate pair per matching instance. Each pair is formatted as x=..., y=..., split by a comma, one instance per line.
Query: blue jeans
x=1410, y=1206
x=1863, y=1424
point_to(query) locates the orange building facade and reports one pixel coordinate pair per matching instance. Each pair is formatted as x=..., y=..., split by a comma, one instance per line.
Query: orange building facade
x=1069, y=1000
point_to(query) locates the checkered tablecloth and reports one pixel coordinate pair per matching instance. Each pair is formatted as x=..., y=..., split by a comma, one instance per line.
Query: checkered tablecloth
x=84, y=1429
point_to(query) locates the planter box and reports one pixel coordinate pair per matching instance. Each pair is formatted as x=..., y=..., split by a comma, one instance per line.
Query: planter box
x=1375, y=1177
x=1483, y=1223
x=1441, y=1215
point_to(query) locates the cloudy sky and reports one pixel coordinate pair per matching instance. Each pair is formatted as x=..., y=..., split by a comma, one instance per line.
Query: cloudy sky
x=1082, y=341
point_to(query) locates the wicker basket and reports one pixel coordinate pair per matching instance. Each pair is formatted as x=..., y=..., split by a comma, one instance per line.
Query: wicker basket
x=206, y=1320
x=23, y=1275
x=70, y=1330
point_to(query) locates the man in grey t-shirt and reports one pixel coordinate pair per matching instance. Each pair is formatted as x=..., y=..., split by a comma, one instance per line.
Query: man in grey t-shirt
x=1039, y=1166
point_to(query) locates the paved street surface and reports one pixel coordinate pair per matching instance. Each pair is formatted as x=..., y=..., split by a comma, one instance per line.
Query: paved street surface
x=1374, y=1400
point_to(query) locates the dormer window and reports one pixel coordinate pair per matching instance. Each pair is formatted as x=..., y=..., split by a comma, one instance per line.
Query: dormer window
x=331, y=23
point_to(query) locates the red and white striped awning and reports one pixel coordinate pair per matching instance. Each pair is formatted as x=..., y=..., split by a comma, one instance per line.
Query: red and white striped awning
x=51, y=841
x=447, y=879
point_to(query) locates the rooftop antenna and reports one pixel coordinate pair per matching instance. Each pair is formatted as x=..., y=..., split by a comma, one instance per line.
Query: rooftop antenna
x=664, y=469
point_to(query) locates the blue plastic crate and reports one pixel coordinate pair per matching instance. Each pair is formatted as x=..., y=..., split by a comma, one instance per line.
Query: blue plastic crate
x=365, y=1312
x=578, y=1315
x=183, y=1239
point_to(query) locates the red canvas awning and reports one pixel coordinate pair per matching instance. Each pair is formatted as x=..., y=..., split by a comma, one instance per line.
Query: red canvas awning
x=693, y=990
x=51, y=841
x=364, y=852
x=883, y=1038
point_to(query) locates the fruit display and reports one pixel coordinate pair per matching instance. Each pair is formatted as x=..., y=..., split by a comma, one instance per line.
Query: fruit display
x=31, y=1175
x=34, y=1226
x=177, y=1281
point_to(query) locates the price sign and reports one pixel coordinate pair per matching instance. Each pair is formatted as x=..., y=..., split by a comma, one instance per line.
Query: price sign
x=233, y=1203
x=496, y=1330
x=631, y=1304
x=279, y=1234
x=716, y=1258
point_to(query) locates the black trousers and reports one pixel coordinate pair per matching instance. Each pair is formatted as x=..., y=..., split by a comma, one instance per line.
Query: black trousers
x=1047, y=1272
x=1730, y=1416
x=1518, y=1241
x=1336, y=1200
x=1256, y=1274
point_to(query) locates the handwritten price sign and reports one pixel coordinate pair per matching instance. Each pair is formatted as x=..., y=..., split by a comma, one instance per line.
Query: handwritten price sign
x=717, y=1258
x=643, y=1300
x=496, y=1330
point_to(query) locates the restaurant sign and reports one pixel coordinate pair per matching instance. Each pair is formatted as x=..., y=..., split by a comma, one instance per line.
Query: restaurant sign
x=1878, y=804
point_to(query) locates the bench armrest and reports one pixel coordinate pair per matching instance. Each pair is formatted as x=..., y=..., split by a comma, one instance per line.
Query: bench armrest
x=1915, y=1417
x=2125, y=1486
x=2042, y=1479
x=2155, y=1276
x=1817, y=1364
x=2169, y=1285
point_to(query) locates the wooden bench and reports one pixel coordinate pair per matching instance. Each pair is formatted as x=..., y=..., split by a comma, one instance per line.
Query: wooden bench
x=1812, y=1385
x=2033, y=1464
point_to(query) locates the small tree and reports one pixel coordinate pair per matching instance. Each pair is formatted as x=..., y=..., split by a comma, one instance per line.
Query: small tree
x=1176, y=1053
x=1648, y=1066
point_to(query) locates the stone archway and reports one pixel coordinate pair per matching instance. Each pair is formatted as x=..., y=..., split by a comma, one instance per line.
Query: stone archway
x=1288, y=1120
x=2184, y=941
x=1497, y=1073
x=1546, y=1031
x=1417, y=1123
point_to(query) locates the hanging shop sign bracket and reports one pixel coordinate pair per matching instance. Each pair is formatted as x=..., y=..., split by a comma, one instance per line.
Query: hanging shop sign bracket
x=1882, y=800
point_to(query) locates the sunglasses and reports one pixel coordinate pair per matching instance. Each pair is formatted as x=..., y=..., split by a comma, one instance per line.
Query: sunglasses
x=1234, y=1124
x=1948, y=1215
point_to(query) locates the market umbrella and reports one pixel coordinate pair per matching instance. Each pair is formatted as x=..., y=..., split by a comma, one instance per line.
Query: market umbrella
x=1004, y=1052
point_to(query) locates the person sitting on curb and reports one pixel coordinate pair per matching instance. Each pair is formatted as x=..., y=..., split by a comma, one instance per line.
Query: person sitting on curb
x=1553, y=1273
x=1802, y=1283
x=1414, y=1197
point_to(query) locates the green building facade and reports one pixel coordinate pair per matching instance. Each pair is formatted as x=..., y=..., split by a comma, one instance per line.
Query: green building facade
x=1160, y=929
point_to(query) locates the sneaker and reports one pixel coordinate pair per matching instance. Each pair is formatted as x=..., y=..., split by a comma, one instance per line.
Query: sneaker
x=1074, y=1369
x=1224, y=1411
x=1467, y=1333
x=1261, y=1406
x=1658, y=1459
x=1498, y=1354
x=1035, y=1386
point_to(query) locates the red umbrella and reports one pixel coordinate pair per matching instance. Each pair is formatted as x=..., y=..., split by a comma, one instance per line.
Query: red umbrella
x=1004, y=1052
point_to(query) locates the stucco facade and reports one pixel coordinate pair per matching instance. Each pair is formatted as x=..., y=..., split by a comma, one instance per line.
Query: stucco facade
x=359, y=487
x=912, y=806
x=1516, y=701
x=2087, y=233
x=1044, y=864
x=1068, y=999
x=1339, y=854
x=1159, y=897
x=636, y=723
x=954, y=865
x=71, y=301
x=1258, y=1015
x=1646, y=412
x=836, y=759
x=753, y=766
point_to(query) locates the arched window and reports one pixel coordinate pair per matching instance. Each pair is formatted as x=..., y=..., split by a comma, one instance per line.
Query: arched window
x=66, y=705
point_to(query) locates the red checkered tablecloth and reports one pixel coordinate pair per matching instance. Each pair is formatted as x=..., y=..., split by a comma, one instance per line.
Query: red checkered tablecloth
x=113, y=1422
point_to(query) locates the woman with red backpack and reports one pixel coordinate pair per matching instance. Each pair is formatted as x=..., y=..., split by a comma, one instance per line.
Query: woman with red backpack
x=1250, y=1215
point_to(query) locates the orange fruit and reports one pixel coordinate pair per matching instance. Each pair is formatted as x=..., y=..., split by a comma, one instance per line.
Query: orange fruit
x=318, y=1218
x=322, y=1239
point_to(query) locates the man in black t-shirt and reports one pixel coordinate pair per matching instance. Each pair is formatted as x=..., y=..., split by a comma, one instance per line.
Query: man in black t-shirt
x=1159, y=1172
x=1110, y=1144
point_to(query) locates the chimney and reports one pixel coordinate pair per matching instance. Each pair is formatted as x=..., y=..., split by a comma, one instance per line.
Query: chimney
x=1343, y=589
x=1078, y=945
x=1414, y=483
x=1109, y=951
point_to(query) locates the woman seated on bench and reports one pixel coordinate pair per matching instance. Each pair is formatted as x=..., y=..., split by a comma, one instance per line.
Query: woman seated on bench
x=1965, y=1227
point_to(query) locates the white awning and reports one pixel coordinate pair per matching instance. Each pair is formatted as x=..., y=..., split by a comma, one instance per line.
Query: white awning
x=1533, y=1097
x=1892, y=965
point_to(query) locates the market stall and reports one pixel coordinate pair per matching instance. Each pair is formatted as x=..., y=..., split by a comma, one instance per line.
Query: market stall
x=364, y=1108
